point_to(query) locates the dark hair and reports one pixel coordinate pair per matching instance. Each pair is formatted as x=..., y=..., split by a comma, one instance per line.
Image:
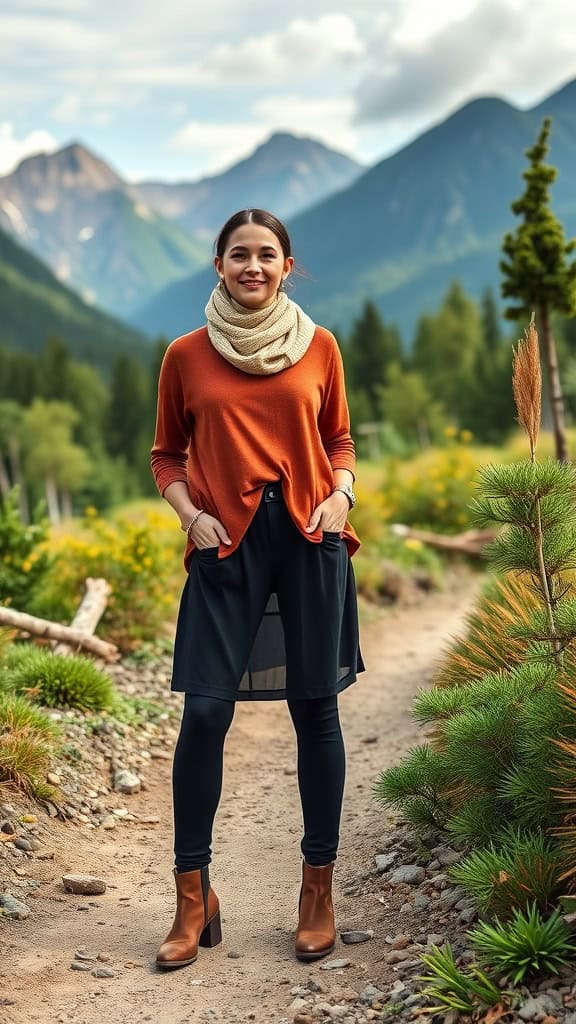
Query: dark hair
x=261, y=217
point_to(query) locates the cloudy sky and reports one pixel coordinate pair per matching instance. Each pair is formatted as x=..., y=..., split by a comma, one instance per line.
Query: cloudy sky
x=181, y=88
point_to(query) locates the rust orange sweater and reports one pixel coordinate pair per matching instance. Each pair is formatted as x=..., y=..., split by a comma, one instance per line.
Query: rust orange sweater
x=226, y=433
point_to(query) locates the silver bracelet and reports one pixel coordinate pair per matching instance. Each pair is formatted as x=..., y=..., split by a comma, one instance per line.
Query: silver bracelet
x=192, y=521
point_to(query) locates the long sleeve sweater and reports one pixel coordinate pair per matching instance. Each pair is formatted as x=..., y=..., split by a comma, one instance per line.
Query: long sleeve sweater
x=226, y=433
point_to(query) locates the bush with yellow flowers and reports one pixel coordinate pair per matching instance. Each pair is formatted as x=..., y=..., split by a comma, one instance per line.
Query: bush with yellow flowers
x=24, y=562
x=434, y=490
x=137, y=558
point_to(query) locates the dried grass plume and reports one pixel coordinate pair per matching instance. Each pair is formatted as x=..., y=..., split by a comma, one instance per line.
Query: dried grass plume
x=527, y=384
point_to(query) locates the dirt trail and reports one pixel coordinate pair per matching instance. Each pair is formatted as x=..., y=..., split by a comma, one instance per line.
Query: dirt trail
x=256, y=862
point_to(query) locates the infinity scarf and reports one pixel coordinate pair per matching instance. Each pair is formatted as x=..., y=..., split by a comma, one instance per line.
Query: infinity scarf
x=258, y=341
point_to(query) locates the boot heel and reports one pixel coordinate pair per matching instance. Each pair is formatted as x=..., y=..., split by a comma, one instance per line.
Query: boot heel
x=212, y=933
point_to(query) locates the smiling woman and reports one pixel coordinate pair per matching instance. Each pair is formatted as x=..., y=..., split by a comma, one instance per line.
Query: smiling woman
x=253, y=450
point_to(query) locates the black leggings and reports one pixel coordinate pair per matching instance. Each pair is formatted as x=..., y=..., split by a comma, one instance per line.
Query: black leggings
x=197, y=776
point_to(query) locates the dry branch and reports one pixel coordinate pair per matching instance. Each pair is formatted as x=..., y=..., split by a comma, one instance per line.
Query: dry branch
x=80, y=634
x=90, y=610
x=471, y=542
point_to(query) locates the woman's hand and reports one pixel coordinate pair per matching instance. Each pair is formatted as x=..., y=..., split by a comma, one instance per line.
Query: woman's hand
x=331, y=514
x=208, y=532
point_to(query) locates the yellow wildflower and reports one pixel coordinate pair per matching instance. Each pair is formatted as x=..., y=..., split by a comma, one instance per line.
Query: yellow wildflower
x=413, y=544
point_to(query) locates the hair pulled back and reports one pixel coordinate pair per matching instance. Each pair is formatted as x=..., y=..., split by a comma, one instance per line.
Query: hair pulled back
x=261, y=217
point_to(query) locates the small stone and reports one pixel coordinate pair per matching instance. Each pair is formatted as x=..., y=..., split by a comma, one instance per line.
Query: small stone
x=450, y=897
x=396, y=956
x=421, y=902
x=338, y=1012
x=28, y=819
x=384, y=861
x=126, y=781
x=370, y=994
x=53, y=779
x=371, y=738
x=446, y=855
x=296, y=1005
x=408, y=874
x=400, y=941
x=104, y=972
x=82, y=954
x=233, y=955
x=315, y=986
x=78, y=965
x=334, y=965
x=13, y=908
x=467, y=915
x=537, y=1008
x=109, y=823
x=84, y=885
x=9, y=827
x=351, y=937
x=300, y=1018
x=22, y=844
x=435, y=939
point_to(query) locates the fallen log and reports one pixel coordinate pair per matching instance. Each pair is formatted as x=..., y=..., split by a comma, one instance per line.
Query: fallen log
x=89, y=612
x=470, y=542
x=80, y=634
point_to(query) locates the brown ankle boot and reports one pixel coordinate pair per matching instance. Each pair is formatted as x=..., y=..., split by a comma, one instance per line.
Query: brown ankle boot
x=316, y=934
x=197, y=920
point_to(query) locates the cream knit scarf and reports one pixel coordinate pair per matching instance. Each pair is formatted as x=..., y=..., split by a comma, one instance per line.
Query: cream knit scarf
x=258, y=341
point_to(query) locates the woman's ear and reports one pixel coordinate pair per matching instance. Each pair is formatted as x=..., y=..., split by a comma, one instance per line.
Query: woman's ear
x=218, y=267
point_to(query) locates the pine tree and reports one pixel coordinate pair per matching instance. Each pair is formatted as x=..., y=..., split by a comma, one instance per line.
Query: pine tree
x=371, y=348
x=445, y=349
x=537, y=274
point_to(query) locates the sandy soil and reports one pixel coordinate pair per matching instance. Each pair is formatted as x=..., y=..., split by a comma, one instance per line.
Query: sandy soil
x=256, y=863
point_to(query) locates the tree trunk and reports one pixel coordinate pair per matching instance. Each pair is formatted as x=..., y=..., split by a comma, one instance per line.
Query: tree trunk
x=52, y=500
x=55, y=631
x=66, y=505
x=555, y=387
x=4, y=479
x=17, y=478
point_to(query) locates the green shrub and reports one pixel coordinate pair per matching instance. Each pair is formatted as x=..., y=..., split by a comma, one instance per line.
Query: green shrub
x=526, y=945
x=515, y=869
x=57, y=680
x=28, y=742
x=138, y=559
x=24, y=562
x=455, y=989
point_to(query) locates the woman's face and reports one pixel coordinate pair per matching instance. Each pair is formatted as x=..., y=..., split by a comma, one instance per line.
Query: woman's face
x=253, y=266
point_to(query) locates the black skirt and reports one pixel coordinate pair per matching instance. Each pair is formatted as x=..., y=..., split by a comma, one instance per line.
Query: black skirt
x=276, y=619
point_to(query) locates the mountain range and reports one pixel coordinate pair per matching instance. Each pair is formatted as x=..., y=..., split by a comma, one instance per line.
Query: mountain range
x=396, y=233
x=434, y=211
x=286, y=174
x=35, y=305
x=95, y=232
x=117, y=243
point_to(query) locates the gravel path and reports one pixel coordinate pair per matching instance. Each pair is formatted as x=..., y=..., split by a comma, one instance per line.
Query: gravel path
x=256, y=865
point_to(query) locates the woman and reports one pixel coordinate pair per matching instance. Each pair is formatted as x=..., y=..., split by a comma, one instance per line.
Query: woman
x=253, y=451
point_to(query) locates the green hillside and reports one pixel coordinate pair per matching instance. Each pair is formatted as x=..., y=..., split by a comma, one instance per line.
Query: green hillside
x=33, y=305
x=436, y=210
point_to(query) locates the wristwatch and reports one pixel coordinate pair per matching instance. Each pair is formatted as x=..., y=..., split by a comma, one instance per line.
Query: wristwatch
x=347, y=490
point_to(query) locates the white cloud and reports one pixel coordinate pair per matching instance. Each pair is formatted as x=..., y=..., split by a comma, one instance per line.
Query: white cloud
x=421, y=67
x=13, y=150
x=222, y=144
x=302, y=47
x=49, y=33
